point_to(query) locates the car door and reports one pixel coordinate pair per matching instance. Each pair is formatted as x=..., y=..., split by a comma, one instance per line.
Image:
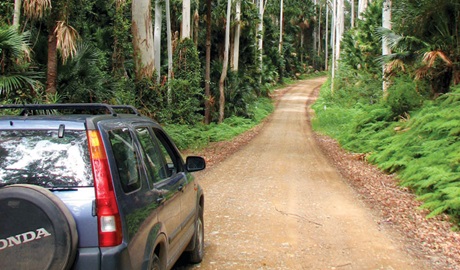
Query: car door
x=187, y=188
x=165, y=181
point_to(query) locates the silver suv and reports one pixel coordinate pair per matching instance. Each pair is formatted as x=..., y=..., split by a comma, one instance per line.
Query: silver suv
x=94, y=186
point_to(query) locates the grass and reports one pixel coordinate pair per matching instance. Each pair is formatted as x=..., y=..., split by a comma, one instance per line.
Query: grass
x=200, y=135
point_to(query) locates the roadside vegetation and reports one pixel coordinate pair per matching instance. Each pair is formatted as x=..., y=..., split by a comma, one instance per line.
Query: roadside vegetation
x=412, y=128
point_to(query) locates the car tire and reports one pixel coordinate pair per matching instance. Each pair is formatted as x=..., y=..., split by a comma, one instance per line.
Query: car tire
x=197, y=253
x=37, y=231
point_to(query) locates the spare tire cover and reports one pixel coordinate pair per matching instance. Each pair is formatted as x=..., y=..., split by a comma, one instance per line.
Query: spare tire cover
x=37, y=231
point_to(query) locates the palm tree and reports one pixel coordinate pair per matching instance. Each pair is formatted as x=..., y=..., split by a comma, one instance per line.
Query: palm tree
x=61, y=36
x=428, y=38
x=15, y=63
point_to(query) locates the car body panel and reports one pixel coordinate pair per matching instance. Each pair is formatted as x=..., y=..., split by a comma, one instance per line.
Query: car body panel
x=155, y=216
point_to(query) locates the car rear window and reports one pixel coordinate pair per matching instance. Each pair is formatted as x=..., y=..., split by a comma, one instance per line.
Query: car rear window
x=43, y=158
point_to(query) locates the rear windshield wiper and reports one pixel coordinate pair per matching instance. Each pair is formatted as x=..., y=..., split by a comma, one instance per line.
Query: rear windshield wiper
x=62, y=188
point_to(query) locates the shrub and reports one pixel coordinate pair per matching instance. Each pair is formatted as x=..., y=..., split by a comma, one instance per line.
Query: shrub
x=402, y=96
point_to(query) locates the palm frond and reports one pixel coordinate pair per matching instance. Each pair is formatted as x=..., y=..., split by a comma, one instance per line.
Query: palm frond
x=67, y=38
x=16, y=44
x=430, y=58
x=12, y=82
x=36, y=9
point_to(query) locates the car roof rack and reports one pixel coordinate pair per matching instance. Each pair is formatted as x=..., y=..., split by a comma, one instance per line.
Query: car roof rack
x=32, y=109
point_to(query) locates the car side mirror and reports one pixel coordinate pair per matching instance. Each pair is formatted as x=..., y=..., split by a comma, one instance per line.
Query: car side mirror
x=194, y=163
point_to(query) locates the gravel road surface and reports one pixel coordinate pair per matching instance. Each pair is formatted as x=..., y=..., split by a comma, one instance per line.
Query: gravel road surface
x=277, y=203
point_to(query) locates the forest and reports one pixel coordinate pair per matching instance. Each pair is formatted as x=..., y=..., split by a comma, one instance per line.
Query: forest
x=206, y=69
x=179, y=61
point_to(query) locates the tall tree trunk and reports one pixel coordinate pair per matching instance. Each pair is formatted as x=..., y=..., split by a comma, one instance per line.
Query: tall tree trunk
x=340, y=22
x=362, y=6
x=315, y=29
x=326, y=43
x=319, y=31
x=196, y=28
x=142, y=38
x=207, y=86
x=280, y=45
x=223, y=76
x=51, y=72
x=386, y=23
x=333, y=36
x=17, y=13
x=260, y=33
x=170, y=52
x=333, y=42
x=185, y=33
x=157, y=38
x=352, y=17
x=236, y=42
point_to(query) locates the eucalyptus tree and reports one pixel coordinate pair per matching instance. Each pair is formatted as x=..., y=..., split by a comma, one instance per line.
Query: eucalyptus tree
x=225, y=64
x=157, y=38
x=236, y=40
x=185, y=31
x=17, y=13
x=207, y=79
x=386, y=23
x=260, y=33
x=142, y=31
x=169, y=47
x=281, y=21
x=362, y=6
x=339, y=26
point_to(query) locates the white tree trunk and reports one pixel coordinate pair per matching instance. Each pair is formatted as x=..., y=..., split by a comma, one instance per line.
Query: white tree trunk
x=223, y=76
x=142, y=32
x=280, y=46
x=340, y=22
x=386, y=23
x=185, y=19
x=17, y=13
x=319, y=31
x=170, y=52
x=315, y=29
x=333, y=37
x=362, y=6
x=236, y=42
x=260, y=33
x=326, y=43
x=157, y=38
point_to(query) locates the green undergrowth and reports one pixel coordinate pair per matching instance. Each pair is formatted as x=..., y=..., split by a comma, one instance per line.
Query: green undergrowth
x=421, y=146
x=200, y=135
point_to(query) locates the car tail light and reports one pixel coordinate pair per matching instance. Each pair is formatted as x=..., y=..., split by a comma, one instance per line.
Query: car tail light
x=109, y=222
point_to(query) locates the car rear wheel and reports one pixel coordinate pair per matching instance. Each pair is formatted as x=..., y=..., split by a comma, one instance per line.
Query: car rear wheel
x=197, y=253
x=37, y=231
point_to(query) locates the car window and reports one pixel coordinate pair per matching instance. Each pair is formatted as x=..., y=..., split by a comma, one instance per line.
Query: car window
x=171, y=156
x=158, y=158
x=127, y=161
x=154, y=160
x=41, y=157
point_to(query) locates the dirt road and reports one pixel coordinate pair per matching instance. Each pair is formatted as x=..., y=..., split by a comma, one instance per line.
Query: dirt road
x=278, y=204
